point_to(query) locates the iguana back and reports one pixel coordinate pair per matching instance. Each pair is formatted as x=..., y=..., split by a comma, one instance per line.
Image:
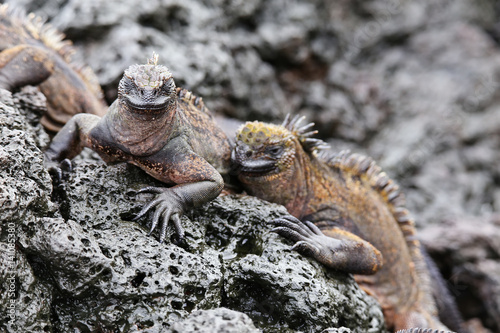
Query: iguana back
x=35, y=53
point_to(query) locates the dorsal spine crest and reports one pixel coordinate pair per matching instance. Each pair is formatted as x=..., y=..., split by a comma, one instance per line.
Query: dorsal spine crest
x=190, y=98
x=31, y=26
x=366, y=168
x=303, y=134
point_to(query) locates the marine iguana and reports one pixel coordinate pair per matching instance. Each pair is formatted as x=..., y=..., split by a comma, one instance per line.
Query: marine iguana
x=34, y=53
x=345, y=212
x=166, y=131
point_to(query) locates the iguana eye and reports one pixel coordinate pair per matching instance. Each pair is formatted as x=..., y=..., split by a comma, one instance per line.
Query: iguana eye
x=274, y=150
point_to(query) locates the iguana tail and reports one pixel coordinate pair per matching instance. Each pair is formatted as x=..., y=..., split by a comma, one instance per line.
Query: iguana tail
x=447, y=308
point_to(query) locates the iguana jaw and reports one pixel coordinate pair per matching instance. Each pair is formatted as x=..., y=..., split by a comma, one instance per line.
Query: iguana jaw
x=252, y=167
x=257, y=168
x=158, y=104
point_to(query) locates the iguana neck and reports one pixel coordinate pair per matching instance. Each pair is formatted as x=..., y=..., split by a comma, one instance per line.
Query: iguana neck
x=290, y=188
x=301, y=190
x=141, y=134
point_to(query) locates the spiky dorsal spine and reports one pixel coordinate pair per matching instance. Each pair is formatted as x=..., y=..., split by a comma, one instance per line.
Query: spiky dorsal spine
x=304, y=134
x=366, y=168
x=190, y=98
x=31, y=26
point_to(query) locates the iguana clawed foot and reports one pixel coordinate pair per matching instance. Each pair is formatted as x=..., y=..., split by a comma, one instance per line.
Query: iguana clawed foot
x=58, y=170
x=169, y=207
x=308, y=237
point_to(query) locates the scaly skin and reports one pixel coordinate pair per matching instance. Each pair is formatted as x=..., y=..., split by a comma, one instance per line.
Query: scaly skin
x=33, y=53
x=164, y=130
x=347, y=214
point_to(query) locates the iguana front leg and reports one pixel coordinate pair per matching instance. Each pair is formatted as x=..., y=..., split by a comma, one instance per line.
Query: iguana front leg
x=24, y=65
x=70, y=140
x=339, y=249
x=198, y=182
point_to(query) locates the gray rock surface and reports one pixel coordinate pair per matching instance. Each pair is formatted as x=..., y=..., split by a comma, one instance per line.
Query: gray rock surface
x=83, y=264
x=24, y=200
x=220, y=320
x=414, y=84
x=470, y=258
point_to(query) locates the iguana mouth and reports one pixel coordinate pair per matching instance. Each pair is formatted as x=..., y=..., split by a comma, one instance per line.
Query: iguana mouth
x=148, y=106
x=256, y=168
x=147, y=101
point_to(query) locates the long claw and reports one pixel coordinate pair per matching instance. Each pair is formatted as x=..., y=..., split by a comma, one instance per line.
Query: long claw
x=166, y=219
x=290, y=218
x=146, y=208
x=313, y=228
x=56, y=174
x=305, y=247
x=66, y=165
x=292, y=226
x=156, y=218
x=295, y=224
x=179, y=231
x=289, y=233
x=151, y=189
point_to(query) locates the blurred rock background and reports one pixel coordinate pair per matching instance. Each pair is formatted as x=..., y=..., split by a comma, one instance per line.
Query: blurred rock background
x=414, y=84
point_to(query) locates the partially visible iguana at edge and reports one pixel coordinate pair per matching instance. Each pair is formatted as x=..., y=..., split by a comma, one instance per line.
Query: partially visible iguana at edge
x=34, y=53
x=346, y=213
x=164, y=130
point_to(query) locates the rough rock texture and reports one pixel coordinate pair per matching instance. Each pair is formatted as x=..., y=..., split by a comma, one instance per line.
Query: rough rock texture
x=220, y=320
x=470, y=258
x=83, y=264
x=414, y=84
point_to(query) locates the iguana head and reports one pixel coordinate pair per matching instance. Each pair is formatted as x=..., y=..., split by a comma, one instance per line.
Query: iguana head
x=267, y=153
x=147, y=89
x=263, y=150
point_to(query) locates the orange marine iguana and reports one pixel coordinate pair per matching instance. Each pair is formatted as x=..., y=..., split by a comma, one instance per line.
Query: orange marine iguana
x=347, y=214
x=34, y=53
x=164, y=130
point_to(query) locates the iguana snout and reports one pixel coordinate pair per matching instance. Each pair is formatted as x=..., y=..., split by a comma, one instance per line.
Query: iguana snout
x=256, y=163
x=147, y=88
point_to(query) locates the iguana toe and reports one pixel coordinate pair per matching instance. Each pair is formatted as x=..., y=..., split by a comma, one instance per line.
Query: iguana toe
x=291, y=223
x=309, y=238
x=306, y=248
x=168, y=207
x=59, y=170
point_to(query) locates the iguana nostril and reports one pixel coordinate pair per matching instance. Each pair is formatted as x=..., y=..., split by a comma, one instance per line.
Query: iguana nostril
x=248, y=153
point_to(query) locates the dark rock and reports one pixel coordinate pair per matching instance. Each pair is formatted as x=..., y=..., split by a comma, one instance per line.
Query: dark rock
x=87, y=266
x=219, y=320
x=414, y=84
x=24, y=199
x=467, y=250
